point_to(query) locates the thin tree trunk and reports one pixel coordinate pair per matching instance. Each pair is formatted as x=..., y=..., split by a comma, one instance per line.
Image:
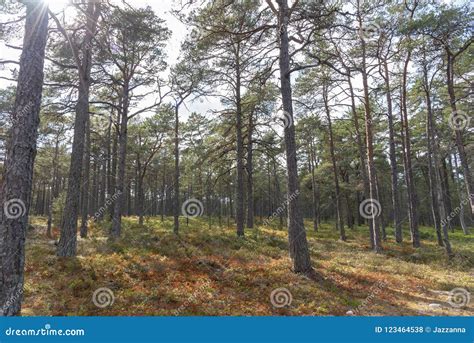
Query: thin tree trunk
x=339, y=221
x=464, y=227
x=439, y=192
x=85, y=198
x=240, y=152
x=163, y=193
x=412, y=195
x=314, y=193
x=362, y=156
x=250, y=200
x=122, y=161
x=176, y=171
x=393, y=159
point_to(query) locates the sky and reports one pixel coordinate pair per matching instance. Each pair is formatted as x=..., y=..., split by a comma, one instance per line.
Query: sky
x=163, y=9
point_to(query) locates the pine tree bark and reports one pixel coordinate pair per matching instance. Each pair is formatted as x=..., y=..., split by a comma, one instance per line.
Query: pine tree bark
x=15, y=195
x=375, y=236
x=68, y=241
x=298, y=243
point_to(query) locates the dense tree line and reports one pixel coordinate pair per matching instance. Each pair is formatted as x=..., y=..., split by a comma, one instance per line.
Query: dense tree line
x=352, y=112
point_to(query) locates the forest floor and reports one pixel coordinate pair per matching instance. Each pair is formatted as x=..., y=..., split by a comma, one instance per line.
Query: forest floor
x=212, y=272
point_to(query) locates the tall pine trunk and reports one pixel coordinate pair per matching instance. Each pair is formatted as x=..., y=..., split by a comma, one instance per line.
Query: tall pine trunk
x=85, y=197
x=337, y=191
x=240, y=150
x=393, y=158
x=121, y=166
x=68, y=242
x=468, y=181
x=176, y=171
x=299, y=250
x=250, y=200
x=15, y=194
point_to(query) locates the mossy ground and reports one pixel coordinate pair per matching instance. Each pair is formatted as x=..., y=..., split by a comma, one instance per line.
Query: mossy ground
x=209, y=271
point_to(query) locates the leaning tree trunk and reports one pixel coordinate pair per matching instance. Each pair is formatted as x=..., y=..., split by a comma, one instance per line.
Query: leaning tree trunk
x=15, y=193
x=299, y=250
